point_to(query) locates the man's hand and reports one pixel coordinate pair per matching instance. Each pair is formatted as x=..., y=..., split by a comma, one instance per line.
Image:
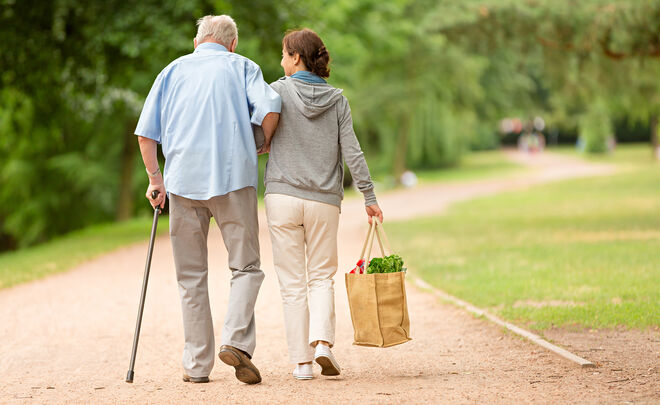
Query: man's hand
x=148, y=149
x=374, y=211
x=264, y=149
x=156, y=183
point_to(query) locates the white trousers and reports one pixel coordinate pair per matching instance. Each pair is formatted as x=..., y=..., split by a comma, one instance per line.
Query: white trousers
x=303, y=229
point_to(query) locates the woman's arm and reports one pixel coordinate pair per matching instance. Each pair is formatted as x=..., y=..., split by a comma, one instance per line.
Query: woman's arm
x=357, y=164
x=269, y=125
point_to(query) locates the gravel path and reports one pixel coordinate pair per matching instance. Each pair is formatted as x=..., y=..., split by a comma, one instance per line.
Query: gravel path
x=67, y=338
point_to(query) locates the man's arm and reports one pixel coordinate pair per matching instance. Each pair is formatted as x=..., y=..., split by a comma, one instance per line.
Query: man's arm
x=148, y=131
x=149, y=151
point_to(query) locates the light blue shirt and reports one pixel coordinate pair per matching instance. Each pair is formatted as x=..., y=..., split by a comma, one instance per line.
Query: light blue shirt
x=200, y=108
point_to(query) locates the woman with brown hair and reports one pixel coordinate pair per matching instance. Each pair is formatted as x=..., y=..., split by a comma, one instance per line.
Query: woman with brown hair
x=304, y=190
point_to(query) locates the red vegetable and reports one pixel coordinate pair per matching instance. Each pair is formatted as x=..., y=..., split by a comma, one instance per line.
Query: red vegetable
x=359, y=268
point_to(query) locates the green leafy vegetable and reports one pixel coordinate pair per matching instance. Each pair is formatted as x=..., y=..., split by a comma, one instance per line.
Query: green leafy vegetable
x=387, y=264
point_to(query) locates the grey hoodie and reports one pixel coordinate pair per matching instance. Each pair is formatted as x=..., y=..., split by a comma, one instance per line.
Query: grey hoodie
x=314, y=132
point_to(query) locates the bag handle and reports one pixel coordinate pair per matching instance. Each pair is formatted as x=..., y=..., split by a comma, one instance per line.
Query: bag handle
x=366, y=241
x=381, y=231
x=373, y=231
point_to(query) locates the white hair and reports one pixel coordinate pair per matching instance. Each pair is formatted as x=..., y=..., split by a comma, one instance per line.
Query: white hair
x=221, y=28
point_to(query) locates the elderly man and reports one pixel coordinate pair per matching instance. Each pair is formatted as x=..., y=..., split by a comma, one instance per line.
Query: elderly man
x=201, y=109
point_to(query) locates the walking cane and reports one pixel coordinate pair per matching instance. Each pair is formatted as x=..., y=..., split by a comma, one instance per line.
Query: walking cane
x=131, y=373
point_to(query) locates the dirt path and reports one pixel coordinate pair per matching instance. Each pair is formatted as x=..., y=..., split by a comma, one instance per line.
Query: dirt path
x=67, y=338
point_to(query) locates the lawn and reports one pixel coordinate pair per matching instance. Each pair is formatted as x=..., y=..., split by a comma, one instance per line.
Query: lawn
x=72, y=249
x=473, y=166
x=626, y=155
x=479, y=165
x=579, y=253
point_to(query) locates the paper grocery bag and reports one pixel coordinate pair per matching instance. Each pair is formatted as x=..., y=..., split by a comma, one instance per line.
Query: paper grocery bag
x=379, y=309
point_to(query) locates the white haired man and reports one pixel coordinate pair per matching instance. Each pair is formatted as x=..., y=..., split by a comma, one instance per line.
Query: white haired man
x=201, y=109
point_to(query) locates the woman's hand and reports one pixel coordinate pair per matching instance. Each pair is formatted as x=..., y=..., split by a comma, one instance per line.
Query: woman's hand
x=374, y=211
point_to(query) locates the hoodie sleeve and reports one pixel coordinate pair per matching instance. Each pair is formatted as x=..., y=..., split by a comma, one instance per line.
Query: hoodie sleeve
x=352, y=153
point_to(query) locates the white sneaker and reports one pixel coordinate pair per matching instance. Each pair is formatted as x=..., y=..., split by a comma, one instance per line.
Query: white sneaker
x=303, y=372
x=326, y=360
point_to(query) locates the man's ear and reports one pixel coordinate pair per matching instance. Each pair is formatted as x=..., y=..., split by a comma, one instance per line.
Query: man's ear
x=234, y=43
x=195, y=43
x=296, y=58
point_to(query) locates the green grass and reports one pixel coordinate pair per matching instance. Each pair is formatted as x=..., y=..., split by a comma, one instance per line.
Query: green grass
x=624, y=154
x=581, y=253
x=474, y=166
x=66, y=252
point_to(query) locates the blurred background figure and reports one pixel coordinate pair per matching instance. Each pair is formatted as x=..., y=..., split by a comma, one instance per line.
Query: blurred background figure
x=408, y=179
x=532, y=139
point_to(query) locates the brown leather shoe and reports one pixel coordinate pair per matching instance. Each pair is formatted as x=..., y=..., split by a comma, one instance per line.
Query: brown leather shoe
x=195, y=380
x=246, y=372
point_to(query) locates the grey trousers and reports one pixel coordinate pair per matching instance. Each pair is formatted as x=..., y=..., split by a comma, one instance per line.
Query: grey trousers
x=236, y=216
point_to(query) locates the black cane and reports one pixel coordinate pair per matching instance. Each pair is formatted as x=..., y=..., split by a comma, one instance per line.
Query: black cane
x=131, y=373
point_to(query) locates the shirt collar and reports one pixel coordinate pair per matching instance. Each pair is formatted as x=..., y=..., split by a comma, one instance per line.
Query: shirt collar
x=211, y=46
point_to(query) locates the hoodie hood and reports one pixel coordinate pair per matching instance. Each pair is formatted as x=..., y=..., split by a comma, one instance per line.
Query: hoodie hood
x=311, y=99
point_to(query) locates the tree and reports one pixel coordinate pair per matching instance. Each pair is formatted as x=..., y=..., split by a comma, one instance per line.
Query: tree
x=426, y=80
x=74, y=76
x=592, y=54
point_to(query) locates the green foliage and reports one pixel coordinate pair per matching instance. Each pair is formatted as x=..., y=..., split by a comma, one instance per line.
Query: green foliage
x=556, y=57
x=412, y=92
x=71, y=84
x=388, y=264
x=73, y=75
x=595, y=130
x=483, y=138
x=427, y=80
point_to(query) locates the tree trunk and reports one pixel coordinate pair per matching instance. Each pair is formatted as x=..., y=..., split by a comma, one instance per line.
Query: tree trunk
x=401, y=150
x=126, y=202
x=654, y=135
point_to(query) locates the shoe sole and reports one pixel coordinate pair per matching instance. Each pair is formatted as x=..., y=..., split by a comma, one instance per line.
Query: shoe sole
x=195, y=380
x=244, y=373
x=327, y=366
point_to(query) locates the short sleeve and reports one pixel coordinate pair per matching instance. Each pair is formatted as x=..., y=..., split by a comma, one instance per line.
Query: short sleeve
x=261, y=97
x=149, y=123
